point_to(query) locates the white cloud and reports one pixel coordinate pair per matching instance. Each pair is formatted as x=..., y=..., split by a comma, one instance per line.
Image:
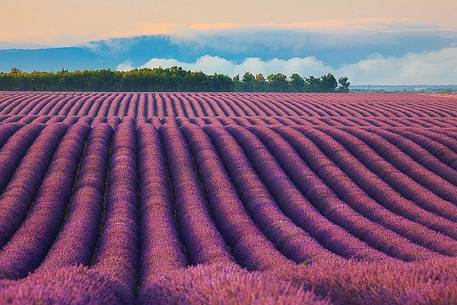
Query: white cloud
x=214, y=64
x=431, y=68
x=125, y=66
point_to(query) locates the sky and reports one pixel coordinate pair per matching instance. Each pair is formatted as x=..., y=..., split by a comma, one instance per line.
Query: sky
x=392, y=42
x=57, y=22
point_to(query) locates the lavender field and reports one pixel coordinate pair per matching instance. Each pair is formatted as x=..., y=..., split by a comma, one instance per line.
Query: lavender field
x=227, y=198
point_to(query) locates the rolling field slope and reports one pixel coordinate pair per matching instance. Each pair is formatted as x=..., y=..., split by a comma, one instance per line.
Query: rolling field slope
x=227, y=198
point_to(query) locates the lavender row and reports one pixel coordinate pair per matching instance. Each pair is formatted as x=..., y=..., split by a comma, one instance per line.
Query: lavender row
x=293, y=241
x=331, y=282
x=431, y=154
x=366, y=122
x=75, y=243
x=204, y=243
x=249, y=245
x=441, y=138
x=161, y=247
x=13, y=150
x=359, y=283
x=373, y=198
x=194, y=244
x=117, y=250
x=318, y=192
x=30, y=243
x=6, y=131
x=223, y=104
x=20, y=191
x=389, y=182
x=296, y=206
x=406, y=164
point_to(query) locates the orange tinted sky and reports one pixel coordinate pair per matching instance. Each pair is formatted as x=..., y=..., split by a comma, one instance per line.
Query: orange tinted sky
x=70, y=21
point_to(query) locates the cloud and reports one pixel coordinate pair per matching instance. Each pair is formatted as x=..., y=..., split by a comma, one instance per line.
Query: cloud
x=197, y=31
x=335, y=47
x=214, y=64
x=125, y=66
x=431, y=68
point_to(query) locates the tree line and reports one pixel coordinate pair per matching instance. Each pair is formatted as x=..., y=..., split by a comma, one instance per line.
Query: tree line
x=279, y=82
x=165, y=79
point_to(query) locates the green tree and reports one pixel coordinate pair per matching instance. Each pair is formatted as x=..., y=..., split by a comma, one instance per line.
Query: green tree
x=312, y=84
x=344, y=84
x=221, y=82
x=237, y=85
x=277, y=82
x=248, y=82
x=260, y=82
x=297, y=83
x=15, y=71
x=328, y=83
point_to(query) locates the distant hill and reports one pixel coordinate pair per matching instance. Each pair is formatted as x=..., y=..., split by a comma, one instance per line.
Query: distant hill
x=51, y=59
